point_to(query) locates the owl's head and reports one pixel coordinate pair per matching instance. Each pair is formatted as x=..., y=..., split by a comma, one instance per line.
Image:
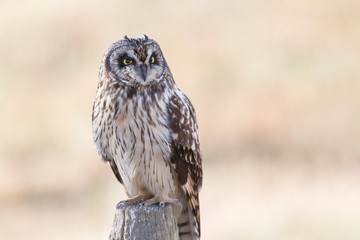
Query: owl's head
x=135, y=61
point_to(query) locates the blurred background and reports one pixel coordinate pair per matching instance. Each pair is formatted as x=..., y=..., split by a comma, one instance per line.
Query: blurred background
x=277, y=92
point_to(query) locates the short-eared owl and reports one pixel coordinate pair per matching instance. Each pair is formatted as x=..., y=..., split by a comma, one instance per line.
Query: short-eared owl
x=145, y=127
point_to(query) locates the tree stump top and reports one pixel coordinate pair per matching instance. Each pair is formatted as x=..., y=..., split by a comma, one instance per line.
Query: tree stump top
x=144, y=222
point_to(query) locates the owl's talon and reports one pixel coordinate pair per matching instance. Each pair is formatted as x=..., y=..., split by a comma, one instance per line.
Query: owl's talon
x=151, y=201
x=176, y=202
x=180, y=205
x=134, y=200
x=162, y=201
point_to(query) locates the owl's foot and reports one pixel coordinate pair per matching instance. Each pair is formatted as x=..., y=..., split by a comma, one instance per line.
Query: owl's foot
x=162, y=201
x=134, y=200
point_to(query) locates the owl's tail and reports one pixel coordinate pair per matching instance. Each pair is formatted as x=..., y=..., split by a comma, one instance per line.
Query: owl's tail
x=189, y=222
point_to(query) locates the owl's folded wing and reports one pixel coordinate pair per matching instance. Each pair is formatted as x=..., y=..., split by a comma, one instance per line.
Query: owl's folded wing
x=186, y=155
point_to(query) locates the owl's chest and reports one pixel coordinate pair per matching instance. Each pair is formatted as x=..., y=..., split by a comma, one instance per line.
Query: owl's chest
x=142, y=137
x=142, y=148
x=142, y=126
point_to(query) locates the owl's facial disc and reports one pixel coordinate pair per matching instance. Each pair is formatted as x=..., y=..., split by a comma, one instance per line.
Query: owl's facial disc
x=136, y=63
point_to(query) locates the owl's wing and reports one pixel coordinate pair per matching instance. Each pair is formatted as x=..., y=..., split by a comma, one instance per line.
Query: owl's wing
x=115, y=170
x=99, y=137
x=186, y=156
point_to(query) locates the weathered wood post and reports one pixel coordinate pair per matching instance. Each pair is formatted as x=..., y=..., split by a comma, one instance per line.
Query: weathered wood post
x=144, y=222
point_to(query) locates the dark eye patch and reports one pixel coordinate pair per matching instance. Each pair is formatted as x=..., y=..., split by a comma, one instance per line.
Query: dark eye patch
x=125, y=60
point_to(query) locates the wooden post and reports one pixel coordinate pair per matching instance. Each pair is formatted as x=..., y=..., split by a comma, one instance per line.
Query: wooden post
x=144, y=222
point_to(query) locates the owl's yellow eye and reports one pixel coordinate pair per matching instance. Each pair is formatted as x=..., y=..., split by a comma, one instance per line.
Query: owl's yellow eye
x=127, y=61
x=152, y=60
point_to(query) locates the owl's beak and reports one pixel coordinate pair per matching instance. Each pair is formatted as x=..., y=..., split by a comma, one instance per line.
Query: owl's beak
x=143, y=71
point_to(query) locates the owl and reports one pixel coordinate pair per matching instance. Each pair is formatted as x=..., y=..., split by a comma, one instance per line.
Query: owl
x=145, y=127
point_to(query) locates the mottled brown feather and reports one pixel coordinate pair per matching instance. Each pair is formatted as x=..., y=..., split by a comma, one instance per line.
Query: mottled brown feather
x=186, y=156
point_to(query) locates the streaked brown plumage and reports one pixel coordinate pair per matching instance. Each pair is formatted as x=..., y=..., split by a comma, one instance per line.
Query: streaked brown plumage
x=145, y=127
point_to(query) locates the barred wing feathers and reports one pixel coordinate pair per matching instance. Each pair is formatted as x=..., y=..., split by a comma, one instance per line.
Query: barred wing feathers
x=186, y=155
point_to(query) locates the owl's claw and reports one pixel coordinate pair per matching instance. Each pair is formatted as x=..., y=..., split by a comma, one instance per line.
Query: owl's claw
x=162, y=201
x=134, y=200
x=151, y=201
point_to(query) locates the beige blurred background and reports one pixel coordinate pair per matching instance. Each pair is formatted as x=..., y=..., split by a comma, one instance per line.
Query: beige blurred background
x=277, y=92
